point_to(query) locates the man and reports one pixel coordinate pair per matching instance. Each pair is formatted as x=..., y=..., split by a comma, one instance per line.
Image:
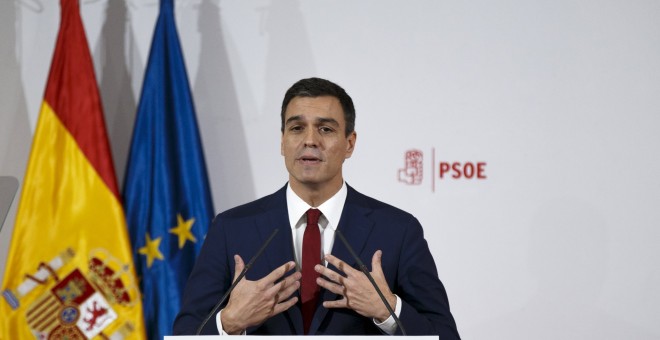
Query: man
x=295, y=289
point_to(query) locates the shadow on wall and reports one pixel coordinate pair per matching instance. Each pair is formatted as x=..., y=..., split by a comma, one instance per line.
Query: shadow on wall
x=289, y=57
x=119, y=104
x=15, y=133
x=219, y=116
x=568, y=256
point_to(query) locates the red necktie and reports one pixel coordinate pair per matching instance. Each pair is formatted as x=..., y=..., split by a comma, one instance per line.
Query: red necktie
x=311, y=256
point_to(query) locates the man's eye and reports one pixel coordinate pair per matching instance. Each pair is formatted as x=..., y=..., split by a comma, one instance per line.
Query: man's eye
x=295, y=128
x=325, y=129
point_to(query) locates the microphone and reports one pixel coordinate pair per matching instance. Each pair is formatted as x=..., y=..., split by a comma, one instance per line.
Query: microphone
x=238, y=279
x=371, y=279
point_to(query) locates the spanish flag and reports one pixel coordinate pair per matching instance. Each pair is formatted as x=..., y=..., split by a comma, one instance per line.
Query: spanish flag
x=70, y=272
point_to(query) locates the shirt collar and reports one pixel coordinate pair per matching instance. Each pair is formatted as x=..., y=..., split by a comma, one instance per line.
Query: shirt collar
x=331, y=209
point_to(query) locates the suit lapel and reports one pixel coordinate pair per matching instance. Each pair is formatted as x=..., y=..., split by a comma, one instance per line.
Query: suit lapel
x=280, y=250
x=356, y=228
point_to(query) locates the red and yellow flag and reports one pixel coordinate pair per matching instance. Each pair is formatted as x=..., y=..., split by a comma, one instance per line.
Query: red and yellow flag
x=70, y=271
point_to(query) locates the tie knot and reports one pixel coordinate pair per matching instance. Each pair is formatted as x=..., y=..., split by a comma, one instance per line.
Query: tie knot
x=313, y=216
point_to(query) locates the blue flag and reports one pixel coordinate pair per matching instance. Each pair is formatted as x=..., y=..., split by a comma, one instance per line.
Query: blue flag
x=166, y=191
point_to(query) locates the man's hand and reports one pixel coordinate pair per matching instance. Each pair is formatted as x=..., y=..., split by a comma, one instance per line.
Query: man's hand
x=253, y=302
x=357, y=292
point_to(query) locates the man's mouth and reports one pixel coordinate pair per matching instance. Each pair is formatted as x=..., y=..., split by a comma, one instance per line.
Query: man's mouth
x=309, y=160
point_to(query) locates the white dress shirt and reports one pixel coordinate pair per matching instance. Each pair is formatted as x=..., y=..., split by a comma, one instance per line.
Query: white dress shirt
x=330, y=214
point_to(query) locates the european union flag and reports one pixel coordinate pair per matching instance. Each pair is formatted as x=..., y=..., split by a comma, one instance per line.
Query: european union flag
x=166, y=191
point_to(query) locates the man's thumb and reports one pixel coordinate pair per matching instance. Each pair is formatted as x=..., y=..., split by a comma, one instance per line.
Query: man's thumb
x=238, y=266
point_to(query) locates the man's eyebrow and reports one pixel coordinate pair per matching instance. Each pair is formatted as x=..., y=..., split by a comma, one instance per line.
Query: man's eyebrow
x=331, y=121
x=292, y=119
x=321, y=120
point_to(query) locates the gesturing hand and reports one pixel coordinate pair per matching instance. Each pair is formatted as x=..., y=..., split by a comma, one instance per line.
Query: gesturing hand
x=357, y=292
x=253, y=302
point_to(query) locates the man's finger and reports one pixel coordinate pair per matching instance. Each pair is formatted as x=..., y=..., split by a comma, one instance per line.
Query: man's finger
x=377, y=264
x=278, y=272
x=281, y=307
x=285, y=285
x=289, y=280
x=342, y=303
x=331, y=286
x=329, y=273
x=275, y=289
x=341, y=265
x=238, y=266
x=287, y=291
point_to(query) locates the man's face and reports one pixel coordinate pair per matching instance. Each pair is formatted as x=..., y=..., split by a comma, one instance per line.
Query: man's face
x=314, y=142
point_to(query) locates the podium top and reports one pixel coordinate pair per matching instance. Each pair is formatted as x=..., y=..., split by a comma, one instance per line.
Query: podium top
x=288, y=337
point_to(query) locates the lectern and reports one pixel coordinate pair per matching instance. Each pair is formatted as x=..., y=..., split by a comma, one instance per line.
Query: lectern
x=308, y=337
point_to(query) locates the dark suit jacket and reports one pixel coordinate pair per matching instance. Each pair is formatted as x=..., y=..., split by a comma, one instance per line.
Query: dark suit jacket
x=368, y=225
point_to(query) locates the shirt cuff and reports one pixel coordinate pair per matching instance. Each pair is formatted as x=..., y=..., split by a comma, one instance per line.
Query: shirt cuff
x=218, y=322
x=389, y=325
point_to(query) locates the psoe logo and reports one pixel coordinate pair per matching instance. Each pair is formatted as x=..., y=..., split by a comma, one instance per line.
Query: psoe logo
x=412, y=172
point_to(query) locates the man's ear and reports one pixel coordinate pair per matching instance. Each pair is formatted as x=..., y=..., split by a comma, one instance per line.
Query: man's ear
x=352, y=138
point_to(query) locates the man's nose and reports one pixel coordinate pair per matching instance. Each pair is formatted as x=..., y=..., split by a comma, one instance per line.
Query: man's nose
x=311, y=137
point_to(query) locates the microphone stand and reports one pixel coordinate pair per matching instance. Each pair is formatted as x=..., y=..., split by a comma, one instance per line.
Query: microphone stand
x=238, y=279
x=371, y=279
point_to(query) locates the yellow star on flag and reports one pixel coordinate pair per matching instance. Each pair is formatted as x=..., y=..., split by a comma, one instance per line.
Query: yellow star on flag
x=151, y=250
x=183, y=230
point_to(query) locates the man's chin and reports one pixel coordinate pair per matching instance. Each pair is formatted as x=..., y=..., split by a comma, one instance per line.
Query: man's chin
x=311, y=182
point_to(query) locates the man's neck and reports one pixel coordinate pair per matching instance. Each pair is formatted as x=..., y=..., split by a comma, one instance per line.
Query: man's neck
x=315, y=195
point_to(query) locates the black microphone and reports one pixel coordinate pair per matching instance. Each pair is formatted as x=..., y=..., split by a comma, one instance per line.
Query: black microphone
x=371, y=279
x=238, y=279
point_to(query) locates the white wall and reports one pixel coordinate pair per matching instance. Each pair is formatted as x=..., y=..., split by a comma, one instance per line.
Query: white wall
x=558, y=98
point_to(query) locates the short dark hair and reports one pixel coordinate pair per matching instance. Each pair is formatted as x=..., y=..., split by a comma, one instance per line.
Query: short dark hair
x=317, y=87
